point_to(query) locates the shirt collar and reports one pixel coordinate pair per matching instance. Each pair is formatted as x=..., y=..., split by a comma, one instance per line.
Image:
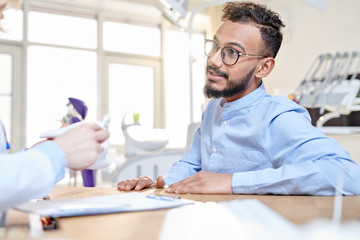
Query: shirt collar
x=245, y=101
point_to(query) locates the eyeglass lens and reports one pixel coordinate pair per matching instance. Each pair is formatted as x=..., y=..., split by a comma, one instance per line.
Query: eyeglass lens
x=228, y=55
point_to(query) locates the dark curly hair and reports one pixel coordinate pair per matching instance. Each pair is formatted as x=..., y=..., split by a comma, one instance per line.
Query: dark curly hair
x=266, y=20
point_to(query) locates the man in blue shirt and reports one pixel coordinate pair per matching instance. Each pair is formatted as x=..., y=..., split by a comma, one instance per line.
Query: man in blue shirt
x=250, y=142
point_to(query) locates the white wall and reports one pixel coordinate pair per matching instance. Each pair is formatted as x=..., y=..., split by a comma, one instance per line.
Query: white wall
x=309, y=33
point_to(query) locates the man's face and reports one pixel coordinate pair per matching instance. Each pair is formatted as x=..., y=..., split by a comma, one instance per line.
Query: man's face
x=233, y=82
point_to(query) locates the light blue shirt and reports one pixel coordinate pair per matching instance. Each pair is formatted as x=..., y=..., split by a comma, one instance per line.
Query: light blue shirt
x=269, y=146
x=30, y=174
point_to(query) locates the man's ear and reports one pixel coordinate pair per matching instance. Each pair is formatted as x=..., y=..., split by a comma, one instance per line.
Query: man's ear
x=265, y=66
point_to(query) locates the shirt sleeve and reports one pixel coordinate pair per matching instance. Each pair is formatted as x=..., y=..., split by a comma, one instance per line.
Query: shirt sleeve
x=188, y=165
x=304, y=160
x=30, y=174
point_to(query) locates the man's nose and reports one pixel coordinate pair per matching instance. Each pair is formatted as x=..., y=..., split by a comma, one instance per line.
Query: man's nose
x=216, y=59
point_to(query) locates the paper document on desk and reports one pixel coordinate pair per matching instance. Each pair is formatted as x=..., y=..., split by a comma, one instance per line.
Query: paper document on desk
x=237, y=219
x=247, y=219
x=126, y=202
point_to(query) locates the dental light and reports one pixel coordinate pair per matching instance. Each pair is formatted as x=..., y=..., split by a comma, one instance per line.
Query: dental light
x=173, y=10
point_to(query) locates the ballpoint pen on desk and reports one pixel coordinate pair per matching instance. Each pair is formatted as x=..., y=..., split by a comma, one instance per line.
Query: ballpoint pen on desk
x=163, y=197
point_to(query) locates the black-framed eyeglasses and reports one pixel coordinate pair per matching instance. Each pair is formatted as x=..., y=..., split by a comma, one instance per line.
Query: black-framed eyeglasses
x=229, y=55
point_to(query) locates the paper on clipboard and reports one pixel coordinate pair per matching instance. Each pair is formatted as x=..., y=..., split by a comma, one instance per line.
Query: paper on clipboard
x=126, y=202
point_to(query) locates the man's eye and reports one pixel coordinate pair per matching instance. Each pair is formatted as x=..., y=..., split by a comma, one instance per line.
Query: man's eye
x=231, y=52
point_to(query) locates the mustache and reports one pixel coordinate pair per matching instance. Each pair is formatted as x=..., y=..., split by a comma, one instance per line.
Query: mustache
x=222, y=73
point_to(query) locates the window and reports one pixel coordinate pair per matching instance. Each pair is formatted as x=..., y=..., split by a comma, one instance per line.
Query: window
x=130, y=38
x=131, y=90
x=54, y=75
x=12, y=25
x=63, y=59
x=178, y=84
x=198, y=75
x=6, y=61
x=57, y=73
x=62, y=30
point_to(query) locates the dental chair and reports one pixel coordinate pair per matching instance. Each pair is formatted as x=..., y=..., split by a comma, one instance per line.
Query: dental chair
x=146, y=154
x=141, y=140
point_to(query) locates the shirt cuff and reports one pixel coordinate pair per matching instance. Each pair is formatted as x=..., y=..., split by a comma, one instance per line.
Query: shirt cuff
x=243, y=182
x=56, y=156
x=168, y=179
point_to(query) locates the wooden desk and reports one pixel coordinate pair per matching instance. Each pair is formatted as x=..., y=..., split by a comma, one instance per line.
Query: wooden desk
x=147, y=224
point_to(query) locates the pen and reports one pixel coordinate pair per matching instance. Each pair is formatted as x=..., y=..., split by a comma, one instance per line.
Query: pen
x=163, y=197
x=106, y=121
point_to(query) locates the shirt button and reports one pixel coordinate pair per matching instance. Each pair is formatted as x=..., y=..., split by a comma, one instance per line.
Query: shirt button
x=214, y=149
x=225, y=122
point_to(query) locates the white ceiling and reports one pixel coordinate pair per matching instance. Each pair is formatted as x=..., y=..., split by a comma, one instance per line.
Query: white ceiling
x=112, y=5
x=126, y=9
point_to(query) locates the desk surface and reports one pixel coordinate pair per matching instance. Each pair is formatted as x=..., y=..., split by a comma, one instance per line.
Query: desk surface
x=147, y=224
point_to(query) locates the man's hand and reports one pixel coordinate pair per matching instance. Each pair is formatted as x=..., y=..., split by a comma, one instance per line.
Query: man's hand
x=204, y=183
x=140, y=183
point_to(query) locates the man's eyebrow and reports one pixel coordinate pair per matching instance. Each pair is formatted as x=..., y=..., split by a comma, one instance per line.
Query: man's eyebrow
x=232, y=43
x=237, y=44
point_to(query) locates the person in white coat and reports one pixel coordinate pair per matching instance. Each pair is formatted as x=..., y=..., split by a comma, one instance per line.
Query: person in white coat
x=33, y=173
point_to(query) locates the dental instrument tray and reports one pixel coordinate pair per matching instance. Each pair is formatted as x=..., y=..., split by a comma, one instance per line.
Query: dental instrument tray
x=332, y=85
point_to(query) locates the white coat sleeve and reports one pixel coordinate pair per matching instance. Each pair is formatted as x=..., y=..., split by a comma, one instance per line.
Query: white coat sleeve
x=30, y=174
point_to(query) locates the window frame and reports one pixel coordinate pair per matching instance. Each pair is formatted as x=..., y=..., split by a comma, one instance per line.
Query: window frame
x=17, y=96
x=155, y=63
x=20, y=85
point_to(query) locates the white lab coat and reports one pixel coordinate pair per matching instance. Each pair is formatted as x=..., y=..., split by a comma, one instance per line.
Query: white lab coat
x=29, y=174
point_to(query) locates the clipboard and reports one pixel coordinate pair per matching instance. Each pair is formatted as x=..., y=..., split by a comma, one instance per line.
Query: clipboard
x=126, y=202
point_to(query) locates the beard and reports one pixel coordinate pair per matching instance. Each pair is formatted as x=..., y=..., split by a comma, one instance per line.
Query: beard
x=232, y=87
